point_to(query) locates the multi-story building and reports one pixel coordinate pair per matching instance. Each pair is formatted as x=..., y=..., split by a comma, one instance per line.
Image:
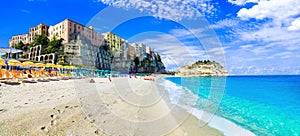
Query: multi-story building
x=140, y=50
x=114, y=42
x=28, y=38
x=69, y=30
x=84, y=53
x=148, y=50
x=38, y=30
x=24, y=38
x=131, y=51
x=84, y=46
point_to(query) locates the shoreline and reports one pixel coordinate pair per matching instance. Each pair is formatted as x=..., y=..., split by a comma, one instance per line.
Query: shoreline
x=227, y=127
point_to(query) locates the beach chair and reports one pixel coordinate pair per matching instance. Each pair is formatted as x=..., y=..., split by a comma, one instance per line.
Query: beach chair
x=46, y=74
x=28, y=73
x=1, y=73
x=7, y=74
x=20, y=75
x=33, y=74
x=14, y=74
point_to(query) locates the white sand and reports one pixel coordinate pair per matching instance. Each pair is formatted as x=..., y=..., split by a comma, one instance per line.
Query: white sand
x=68, y=107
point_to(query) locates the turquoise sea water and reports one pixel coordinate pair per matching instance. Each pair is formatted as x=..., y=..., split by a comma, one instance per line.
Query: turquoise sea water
x=265, y=105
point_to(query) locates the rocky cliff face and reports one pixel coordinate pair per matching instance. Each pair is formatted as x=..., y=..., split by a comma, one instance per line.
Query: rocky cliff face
x=203, y=68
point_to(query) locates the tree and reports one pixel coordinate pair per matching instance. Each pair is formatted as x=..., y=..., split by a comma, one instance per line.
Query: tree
x=158, y=58
x=53, y=46
x=40, y=40
x=136, y=63
x=19, y=45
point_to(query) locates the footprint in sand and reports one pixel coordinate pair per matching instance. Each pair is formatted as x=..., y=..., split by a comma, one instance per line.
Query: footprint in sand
x=93, y=121
x=54, y=119
x=52, y=116
x=97, y=131
x=43, y=128
x=3, y=110
x=53, y=122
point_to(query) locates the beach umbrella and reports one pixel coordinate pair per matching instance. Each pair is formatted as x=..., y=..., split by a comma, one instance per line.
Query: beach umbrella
x=2, y=63
x=67, y=67
x=28, y=63
x=39, y=64
x=49, y=65
x=14, y=62
x=59, y=66
x=72, y=67
x=2, y=60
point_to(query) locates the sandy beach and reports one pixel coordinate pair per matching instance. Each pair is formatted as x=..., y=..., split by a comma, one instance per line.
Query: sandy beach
x=124, y=106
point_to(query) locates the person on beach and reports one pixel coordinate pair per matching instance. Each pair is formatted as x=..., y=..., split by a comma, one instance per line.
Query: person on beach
x=109, y=78
x=92, y=72
x=50, y=70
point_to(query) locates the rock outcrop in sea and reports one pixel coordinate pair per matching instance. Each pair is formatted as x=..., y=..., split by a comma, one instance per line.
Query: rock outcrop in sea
x=202, y=68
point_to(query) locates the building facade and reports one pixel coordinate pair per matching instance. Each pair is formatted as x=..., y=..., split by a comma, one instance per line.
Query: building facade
x=24, y=38
x=114, y=42
x=69, y=30
x=131, y=50
x=37, y=30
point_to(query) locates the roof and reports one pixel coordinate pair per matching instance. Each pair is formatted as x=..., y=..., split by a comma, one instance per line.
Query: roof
x=8, y=50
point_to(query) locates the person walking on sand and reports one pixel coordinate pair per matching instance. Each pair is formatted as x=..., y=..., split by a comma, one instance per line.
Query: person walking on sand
x=109, y=78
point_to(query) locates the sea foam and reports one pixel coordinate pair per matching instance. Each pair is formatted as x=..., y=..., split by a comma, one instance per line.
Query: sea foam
x=184, y=98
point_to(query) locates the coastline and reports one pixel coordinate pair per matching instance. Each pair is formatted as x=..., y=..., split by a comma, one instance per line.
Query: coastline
x=56, y=107
x=227, y=127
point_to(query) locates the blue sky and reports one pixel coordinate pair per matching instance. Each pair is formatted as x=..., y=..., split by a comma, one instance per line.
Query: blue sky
x=253, y=36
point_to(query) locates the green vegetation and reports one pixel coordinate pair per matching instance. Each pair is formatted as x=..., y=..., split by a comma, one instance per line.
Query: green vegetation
x=40, y=40
x=136, y=63
x=21, y=46
x=203, y=62
x=170, y=73
x=149, y=64
x=53, y=46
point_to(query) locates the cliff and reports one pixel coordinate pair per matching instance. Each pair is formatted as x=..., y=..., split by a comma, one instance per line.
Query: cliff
x=202, y=68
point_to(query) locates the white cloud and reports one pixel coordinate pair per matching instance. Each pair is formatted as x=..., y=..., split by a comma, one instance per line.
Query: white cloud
x=273, y=9
x=250, y=46
x=295, y=25
x=225, y=23
x=242, y=2
x=183, y=34
x=168, y=9
x=25, y=11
